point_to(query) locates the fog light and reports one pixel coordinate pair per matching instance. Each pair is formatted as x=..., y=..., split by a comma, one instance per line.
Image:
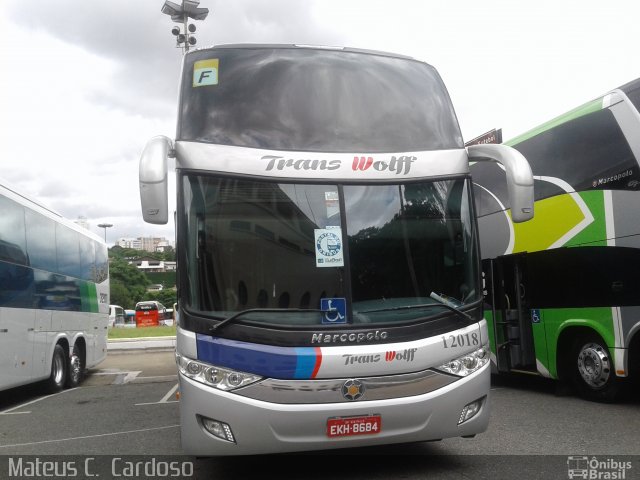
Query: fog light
x=470, y=410
x=218, y=429
x=235, y=379
x=194, y=368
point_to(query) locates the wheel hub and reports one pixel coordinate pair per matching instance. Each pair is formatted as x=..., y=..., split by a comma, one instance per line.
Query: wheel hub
x=75, y=367
x=594, y=365
x=58, y=369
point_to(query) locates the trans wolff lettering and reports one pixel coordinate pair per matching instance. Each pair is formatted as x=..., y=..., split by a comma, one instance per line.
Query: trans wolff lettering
x=407, y=355
x=401, y=165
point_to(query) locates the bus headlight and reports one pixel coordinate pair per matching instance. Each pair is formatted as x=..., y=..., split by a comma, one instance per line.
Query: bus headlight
x=217, y=377
x=468, y=363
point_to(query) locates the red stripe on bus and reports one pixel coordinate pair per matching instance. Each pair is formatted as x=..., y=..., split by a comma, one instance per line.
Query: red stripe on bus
x=318, y=362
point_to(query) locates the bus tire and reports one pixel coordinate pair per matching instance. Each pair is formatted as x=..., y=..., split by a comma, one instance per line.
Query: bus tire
x=58, y=376
x=592, y=369
x=75, y=370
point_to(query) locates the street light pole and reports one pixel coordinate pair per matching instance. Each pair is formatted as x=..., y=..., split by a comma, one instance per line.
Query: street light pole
x=180, y=13
x=105, y=226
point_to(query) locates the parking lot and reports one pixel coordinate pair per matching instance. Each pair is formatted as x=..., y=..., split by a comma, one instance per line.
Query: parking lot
x=120, y=409
x=128, y=407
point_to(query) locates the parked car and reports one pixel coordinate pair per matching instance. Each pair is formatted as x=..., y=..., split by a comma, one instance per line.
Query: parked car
x=129, y=320
x=116, y=315
x=168, y=318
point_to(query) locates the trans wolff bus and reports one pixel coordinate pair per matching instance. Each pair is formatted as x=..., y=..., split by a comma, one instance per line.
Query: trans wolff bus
x=563, y=291
x=328, y=265
x=54, y=296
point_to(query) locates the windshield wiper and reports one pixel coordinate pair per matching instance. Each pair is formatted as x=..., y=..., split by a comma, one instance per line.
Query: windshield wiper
x=237, y=315
x=443, y=301
x=403, y=307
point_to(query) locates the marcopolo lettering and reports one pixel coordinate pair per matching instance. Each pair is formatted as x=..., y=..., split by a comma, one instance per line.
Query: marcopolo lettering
x=280, y=163
x=359, y=337
x=400, y=165
x=613, y=178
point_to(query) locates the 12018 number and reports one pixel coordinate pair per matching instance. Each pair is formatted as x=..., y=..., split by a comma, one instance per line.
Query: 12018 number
x=461, y=340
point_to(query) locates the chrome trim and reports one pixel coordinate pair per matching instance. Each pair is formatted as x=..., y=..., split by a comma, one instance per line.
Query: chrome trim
x=274, y=390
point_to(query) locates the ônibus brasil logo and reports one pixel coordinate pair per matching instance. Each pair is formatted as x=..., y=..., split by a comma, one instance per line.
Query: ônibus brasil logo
x=401, y=165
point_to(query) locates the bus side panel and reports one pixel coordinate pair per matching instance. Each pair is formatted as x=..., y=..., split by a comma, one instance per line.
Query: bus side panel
x=626, y=223
x=41, y=349
x=16, y=346
x=100, y=299
x=558, y=320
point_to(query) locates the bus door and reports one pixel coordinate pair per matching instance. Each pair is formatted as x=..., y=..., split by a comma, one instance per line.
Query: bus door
x=507, y=297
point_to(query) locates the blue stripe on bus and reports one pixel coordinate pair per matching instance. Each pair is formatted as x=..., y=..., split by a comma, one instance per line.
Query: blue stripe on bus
x=266, y=360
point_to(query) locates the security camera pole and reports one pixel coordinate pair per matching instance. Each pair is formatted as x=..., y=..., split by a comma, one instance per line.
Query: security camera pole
x=181, y=14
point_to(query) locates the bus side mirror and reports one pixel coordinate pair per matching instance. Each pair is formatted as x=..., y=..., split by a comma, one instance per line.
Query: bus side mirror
x=519, y=176
x=154, y=197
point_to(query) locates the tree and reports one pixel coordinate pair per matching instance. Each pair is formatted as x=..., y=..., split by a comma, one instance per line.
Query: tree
x=169, y=254
x=128, y=284
x=167, y=297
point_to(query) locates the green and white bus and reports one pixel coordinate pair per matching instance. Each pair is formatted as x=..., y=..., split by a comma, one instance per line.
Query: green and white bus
x=54, y=296
x=562, y=292
x=324, y=208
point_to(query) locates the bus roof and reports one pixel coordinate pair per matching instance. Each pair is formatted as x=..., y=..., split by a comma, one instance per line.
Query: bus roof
x=302, y=46
x=630, y=89
x=34, y=205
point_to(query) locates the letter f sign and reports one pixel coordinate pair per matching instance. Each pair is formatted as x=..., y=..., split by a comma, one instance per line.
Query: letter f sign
x=205, y=72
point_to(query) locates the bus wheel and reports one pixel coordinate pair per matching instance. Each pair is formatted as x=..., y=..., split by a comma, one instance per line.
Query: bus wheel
x=593, y=372
x=58, y=375
x=76, y=368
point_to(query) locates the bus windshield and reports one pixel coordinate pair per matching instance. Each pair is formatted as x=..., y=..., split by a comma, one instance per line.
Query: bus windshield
x=381, y=249
x=306, y=99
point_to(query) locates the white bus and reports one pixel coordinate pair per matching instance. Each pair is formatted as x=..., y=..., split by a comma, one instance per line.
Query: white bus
x=329, y=274
x=54, y=296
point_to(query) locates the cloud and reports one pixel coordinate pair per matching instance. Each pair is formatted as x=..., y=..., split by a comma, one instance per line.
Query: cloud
x=92, y=81
x=135, y=38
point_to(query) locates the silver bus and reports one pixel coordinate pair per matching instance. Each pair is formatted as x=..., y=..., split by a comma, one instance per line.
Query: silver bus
x=328, y=265
x=54, y=296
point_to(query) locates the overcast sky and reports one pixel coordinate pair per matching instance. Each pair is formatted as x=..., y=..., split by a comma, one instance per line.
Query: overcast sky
x=85, y=84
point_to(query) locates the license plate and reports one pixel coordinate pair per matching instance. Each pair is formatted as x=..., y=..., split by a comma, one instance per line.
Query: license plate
x=348, y=426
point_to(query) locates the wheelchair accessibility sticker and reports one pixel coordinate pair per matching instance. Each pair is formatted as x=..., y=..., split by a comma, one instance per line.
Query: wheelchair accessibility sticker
x=329, y=251
x=334, y=310
x=535, y=315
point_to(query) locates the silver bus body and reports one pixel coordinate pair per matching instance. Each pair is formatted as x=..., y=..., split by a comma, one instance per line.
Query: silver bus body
x=312, y=227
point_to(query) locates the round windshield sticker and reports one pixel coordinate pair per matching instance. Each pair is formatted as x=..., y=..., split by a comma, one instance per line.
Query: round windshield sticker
x=329, y=251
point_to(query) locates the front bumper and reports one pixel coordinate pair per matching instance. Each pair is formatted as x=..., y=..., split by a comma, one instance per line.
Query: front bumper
x=261, y=427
